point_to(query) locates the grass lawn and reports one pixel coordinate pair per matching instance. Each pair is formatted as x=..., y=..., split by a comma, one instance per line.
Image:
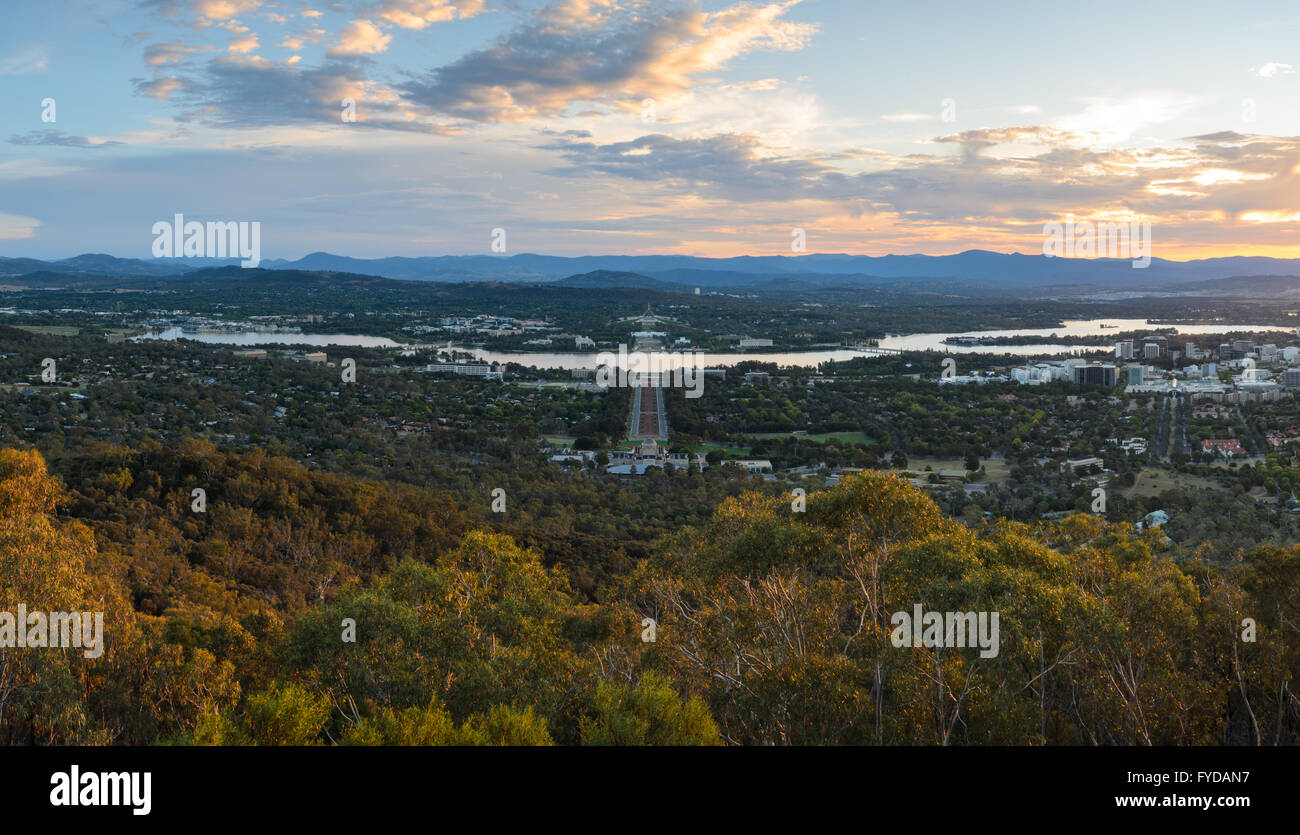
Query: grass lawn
x=996, y=471
x=1153, y=481
x=50, y=330
x=845, y=437
x=704, y=447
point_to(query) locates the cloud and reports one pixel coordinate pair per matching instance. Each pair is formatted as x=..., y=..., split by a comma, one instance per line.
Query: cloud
x=235, y=91
x=1112, y=120
x=239, y=93
x=158, y=88
x=641, y=51
x=30, y=60
x=417, y=14
x=202, y=13
x=582, y=12
x=243, y=45
x=224, y=9
x=27, y=169
x=53, y=137
x=1272, y=68
x=780, y=115
x=608, y=53
x=17, y=227
x=360, y=37
x=162, y=54
x=1236, y=178
x=728, y=193
x=730, y=166
x=908, y=117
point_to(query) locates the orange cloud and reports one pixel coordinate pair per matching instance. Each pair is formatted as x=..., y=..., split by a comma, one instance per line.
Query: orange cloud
x=361, y=37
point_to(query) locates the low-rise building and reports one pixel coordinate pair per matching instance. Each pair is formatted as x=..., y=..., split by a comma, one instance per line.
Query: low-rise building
x=650, y=454
x=467, y=369
x=1227, y=447
x=753, y=465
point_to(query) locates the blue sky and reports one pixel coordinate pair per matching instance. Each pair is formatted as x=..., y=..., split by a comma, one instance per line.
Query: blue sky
x=875, y=127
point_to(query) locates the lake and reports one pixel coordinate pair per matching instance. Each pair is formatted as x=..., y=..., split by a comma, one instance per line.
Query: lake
x=1090, y=327
x=316, y=340
x=906, y=342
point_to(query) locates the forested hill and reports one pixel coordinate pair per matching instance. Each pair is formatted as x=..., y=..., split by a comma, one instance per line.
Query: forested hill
x=772, y=624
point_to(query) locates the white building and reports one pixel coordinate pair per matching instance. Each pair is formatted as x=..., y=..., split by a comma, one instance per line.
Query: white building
x=967, y=379
x=466, y=369
x=1032, y=375
x=650, y=454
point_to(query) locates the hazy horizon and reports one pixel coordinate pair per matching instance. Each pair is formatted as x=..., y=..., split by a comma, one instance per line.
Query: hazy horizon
x=298, y=257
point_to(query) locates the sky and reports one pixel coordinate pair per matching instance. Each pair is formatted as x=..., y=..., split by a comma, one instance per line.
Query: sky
x=625, y=126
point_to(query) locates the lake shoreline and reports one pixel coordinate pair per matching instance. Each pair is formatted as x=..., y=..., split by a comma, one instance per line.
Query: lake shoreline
x=891, y=344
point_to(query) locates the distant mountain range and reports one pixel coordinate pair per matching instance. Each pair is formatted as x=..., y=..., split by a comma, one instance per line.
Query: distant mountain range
x=683, y=273
x=993, y=268
x=606, y=279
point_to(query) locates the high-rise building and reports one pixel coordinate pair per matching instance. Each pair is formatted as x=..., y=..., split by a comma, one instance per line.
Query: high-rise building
x=1124, y=349
x=1095, y=374
x=1291, y=378
x=1136, y=377
x=1161, y=344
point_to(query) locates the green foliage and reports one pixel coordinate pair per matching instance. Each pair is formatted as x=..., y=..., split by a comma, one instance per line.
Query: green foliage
x=651, y=713
x=484, y=625
x=506, y=726
x=432, y=725
x=286, y=715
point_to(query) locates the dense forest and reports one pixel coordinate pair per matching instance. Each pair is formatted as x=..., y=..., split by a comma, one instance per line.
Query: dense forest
x=295, y=606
